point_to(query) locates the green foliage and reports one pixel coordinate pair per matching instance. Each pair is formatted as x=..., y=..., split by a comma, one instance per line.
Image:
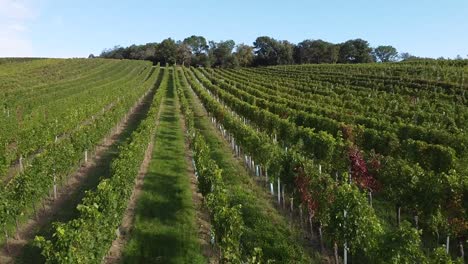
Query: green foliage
x=197, y=44
x=86, y=239
x=227, y=220
x=355, y=51
x=244, y=54
x=385, y=53
x=82, y=128
x=311, y=111
x=401, y=246
x=440, y=256
x=270, y=51
x=316, y=51
x=221, y=54
x=166, y=52
x=352, y=220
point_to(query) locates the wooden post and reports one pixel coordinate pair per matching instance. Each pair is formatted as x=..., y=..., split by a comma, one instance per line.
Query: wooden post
x=399, y=215
x=17, y=229
x=345, y=245
x=6, y=240
x=55, y=187
x=86, y=156
x=322, y=248
x=279, y=191
x=335, y=247
x=21, y=163
x=300, y=214
x=447, y=245
x=282, y=194
x=311, y=227
x=345, y=253
x=34, y=210
x=462, y=251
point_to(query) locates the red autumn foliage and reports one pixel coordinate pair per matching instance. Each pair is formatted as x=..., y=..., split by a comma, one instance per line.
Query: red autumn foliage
x=359, y=172
x=302, y=184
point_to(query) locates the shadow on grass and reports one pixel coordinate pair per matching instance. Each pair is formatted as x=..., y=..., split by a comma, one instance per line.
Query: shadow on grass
x=164, y=229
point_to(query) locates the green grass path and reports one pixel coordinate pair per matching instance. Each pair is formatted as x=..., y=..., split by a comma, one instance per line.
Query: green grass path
x=165, y=229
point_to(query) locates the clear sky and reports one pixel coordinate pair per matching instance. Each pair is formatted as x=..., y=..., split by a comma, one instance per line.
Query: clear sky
x=66, y=28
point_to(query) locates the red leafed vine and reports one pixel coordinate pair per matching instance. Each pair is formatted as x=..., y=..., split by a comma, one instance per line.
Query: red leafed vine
x=359, y=172
x=302, y=184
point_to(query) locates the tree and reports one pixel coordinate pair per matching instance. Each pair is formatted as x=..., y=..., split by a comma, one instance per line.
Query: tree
x=117, y=52
x=197, y=44
x=91, y=56
x=184, y=54
x=315, y=51
x=385, y=53
x=244, y=54
x=221, y=53
x=199, y=48
x=285, y=52
x=270, y=51
x=166, y=52
x=266, y=51
x=149, y=51
x=406, y=56
x=355, y=51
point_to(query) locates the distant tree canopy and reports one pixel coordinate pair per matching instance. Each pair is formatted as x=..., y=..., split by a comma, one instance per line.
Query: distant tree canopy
x=221, y=54
x=197, y=51
x=385, y=53
x=244, y=54
x=270, y=51
x=166, y=52
x=355, y=51
x=316, y=51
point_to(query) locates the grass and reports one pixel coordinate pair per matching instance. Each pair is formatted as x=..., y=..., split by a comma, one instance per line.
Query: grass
x=265, y=227
x=164, y=229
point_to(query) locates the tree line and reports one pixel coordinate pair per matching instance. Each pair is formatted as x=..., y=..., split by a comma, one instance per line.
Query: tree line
x=197, y=51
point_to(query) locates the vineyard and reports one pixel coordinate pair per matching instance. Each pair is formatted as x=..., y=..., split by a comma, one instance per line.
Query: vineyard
x=120, y=161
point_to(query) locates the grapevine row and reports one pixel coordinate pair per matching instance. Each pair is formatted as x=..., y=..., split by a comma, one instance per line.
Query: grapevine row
x=87, y=238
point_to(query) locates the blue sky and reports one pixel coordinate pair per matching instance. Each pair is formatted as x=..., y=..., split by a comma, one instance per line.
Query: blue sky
x=53, y=28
